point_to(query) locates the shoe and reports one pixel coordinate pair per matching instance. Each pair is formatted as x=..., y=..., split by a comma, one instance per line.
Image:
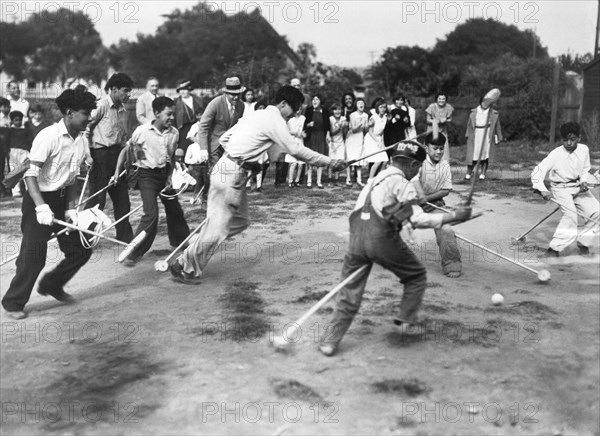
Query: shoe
x=181, y=276
x=551, y=253
x=327, y=349
x=309, y=185
x=131, y=262
x=15, y=314
x=61, y=296
x=361, y=184
x=258, y=189
x=320, y=186
x=482, y=177
x=468, y=177
x=583, y=250
x=290, y=185
x=348, y=185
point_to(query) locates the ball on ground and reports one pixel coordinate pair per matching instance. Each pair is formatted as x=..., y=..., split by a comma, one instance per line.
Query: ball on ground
x=280, y=343
x=544, y=275
x=497, y=299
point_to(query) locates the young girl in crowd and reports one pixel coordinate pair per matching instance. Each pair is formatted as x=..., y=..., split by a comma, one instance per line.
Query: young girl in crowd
x=296, y=126
x=336, y=146
x=358, y=125
x=317, y=130
x=374, y=137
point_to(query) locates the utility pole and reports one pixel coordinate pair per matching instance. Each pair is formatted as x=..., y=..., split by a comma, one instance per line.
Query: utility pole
x=372, y=53
x=554, y=112
x=596, y=53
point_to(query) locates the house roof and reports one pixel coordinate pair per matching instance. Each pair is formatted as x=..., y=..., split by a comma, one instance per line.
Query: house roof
x=592, y=63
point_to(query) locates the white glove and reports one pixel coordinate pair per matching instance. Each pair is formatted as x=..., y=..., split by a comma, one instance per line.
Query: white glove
x=203, y=156
x=44, y=215
x=71, y=215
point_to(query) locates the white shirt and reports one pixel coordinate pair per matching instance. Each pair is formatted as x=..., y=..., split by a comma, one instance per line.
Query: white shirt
x=193, y=155
x=258, y=131
x=562, y=167
x=56, y=157
x=435, y=177
x=20, y=105
x=391, y=187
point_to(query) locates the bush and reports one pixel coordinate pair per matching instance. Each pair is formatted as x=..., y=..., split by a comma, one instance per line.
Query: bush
x=590, y=124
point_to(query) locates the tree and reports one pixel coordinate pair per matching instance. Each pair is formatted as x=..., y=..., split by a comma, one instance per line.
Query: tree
x=17, y=44
x=204, y=45
x=570, y=62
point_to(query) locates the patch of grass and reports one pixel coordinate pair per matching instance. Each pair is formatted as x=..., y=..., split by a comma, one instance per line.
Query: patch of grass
x=434, y=285
x=532, y=309
x=406, y=387
x=311, y=296
x=293, y=389
x=245, y=311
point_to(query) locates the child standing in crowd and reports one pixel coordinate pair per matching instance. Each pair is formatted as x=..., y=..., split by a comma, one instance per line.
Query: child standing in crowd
x=197, y=161
x=4, y=125
x=36, y=121
x=19, y=142
x=317, y=130
x=336, y=146
x=568, y=169
x=374, y=137
x=435, y=178
x=411, y=131
x=358, y=126
x=296, y=127
x=440, y=113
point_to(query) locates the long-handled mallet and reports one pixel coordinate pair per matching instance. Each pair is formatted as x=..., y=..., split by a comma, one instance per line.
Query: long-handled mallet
x=130, y=246
x=162, y=265
x=490, y=98
x=65, y=230
x=543, y=275
x=389, y=147
x=197, y=196
x=522, y=237
x=110, y=184
x=282, y=342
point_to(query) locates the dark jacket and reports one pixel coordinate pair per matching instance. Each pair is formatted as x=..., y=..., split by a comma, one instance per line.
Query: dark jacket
x=309, y=117
x=183, y=113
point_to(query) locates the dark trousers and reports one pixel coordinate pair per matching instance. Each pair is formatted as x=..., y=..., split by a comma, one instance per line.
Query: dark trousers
x=200, y=173
x=375, y=241
x=32, y=256
x=184, y=142
x=281, y=169
x=105, y=162
x=150, y=183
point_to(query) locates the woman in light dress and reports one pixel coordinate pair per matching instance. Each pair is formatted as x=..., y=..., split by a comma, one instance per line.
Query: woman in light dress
x=338, y=125
x=358, y=126
x=296, y=126
x=374, y=137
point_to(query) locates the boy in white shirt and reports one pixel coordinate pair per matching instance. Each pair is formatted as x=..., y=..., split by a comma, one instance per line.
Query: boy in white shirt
x=568, y=169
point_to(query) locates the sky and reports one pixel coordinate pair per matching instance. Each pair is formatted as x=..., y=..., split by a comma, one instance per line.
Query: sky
x=351, y=33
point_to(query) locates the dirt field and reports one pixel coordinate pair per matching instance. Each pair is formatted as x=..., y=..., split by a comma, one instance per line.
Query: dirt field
x=142, y=354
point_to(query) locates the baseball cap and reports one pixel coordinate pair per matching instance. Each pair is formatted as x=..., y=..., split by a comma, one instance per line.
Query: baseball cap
x=411, y=150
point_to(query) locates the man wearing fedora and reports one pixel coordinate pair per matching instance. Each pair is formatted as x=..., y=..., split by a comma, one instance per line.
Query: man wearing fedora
x=221, y=114
x=187, y=107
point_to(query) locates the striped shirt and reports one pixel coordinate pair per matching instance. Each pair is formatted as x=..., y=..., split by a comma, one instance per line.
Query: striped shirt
x=435, y=177
x=157, y=148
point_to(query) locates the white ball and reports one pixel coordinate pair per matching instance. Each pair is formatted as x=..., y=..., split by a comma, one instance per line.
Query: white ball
x=544, y=275
x=497, y=299
x=279, y=342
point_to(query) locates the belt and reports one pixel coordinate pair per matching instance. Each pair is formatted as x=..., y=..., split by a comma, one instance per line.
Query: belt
x=248, y=166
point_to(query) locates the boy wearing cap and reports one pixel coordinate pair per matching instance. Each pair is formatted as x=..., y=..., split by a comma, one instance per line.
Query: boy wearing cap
x=385, y=204
x=245, y=144
x=154, y=145
x=568, y=169
x=435, y=178
x=56, y=156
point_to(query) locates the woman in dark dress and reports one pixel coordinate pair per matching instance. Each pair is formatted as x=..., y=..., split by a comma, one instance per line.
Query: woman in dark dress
x=317, y=129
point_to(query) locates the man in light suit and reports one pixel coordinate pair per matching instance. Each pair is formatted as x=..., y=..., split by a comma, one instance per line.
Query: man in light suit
x=221, y=114
x=143, y=106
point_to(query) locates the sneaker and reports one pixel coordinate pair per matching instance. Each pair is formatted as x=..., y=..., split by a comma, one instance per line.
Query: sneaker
x=551, y=253
x=327, y=349
x=468, y=177
x=482, y=177
x=583, y=250
x=61, y=296
x=181, y=276
x=15, y=314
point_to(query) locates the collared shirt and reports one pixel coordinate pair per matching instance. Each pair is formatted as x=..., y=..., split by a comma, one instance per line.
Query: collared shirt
x=56, y=157
x=110, y=124
x=562, y=167
x=143, y=107
x=255, y=133
x=20, y=105
x=157, y=147
x=4, y=120
x=391, y=187
x=435, y=177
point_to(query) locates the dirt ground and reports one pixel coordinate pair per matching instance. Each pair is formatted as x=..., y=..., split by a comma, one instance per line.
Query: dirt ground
x=142, y=354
